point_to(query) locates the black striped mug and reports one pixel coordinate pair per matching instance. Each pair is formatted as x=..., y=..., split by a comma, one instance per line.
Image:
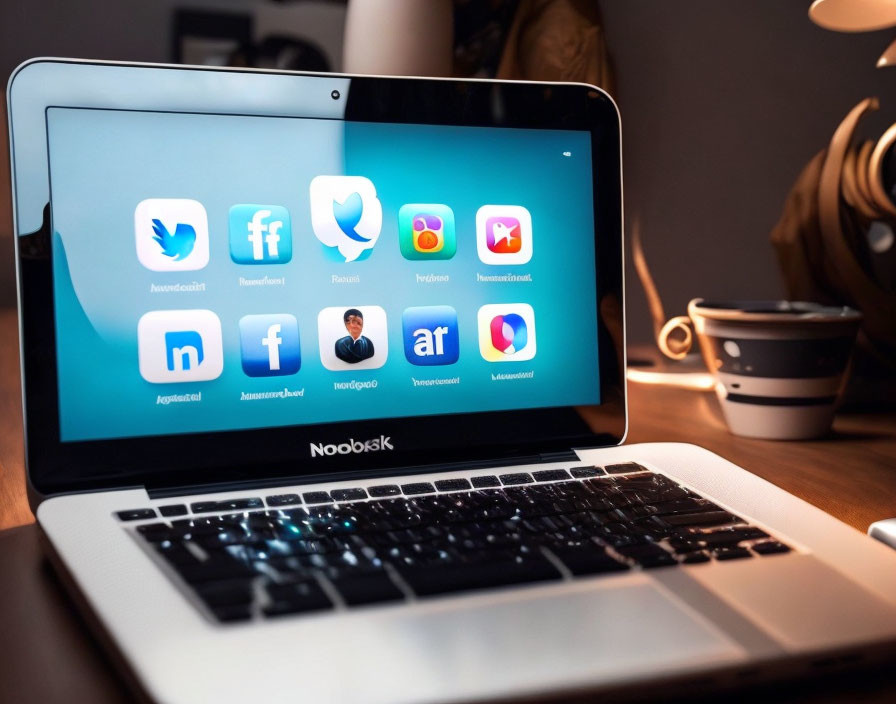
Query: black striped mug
x=780, y=366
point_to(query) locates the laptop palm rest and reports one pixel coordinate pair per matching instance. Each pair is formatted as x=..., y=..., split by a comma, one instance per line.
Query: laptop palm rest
x=593, y=632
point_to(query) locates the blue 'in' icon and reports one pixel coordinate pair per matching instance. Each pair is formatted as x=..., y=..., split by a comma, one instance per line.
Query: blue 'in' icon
x=183, y=350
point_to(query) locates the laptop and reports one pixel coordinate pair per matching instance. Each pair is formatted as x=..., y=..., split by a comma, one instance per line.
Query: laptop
x=325, y=401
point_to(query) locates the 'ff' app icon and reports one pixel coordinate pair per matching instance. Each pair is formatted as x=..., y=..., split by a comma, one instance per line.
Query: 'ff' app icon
x=430, y=335
x=269, y=345
x=426, y=231
x=260, y=234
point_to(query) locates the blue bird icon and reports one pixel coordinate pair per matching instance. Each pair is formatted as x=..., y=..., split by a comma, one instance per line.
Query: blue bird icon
x=348, y=215
x=178, y=245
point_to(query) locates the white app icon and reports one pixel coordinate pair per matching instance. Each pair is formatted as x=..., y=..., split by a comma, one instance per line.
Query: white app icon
x=352, y=337
x=506, y=332
x=504, y=234
x=179, y=345
x=346, y=214
x=172, y=234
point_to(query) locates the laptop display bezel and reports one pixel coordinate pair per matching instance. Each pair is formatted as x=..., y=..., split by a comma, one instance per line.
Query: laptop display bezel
x=224, y=458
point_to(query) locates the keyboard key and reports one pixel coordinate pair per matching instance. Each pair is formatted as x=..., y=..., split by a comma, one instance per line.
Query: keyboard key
x=686, y=505
x=418, y=488
x=226, y=592
x=452, y=484
x=157, y=532
x=173, y=510
x=587, y=472
x=232, y=612
x=486, y=481
x=136, y=514
x=692, y=558
x=734, y=553
x=348, y=494
x=709, y=518
x=772, y=547
x=550, y=475
x=647, y=555
x=384, y=490
x=432, y=579
x=284, y=500
x=729, y=536
x=225, y=505
x=624, y=468
x=588, y=559
x=366, y=588
x=516, y=478
x=214, y=571
x=295, y=597
x=317, y=497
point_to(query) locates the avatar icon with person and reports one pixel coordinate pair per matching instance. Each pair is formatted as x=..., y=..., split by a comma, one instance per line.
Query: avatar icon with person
x=354, y=347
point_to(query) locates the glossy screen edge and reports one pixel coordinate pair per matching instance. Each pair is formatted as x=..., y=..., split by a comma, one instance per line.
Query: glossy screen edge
x=208, y=458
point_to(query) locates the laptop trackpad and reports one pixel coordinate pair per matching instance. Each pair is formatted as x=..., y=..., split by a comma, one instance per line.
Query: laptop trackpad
x=587, y=632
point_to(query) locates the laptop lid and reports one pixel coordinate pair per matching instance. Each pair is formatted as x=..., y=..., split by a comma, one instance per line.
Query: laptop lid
x=235, y=276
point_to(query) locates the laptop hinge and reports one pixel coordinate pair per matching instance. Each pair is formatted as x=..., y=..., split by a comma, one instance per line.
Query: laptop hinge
x=564, y=456
x=165, y=492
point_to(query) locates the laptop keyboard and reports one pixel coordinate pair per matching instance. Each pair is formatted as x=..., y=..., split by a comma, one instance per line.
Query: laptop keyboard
x=351, y=547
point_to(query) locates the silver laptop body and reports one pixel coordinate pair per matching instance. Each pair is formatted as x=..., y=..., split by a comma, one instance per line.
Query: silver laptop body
x=213, y=448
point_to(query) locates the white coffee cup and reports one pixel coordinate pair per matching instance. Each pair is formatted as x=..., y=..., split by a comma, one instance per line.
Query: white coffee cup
x=780, y=366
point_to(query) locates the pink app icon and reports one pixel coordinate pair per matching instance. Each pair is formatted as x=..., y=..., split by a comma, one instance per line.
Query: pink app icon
x=503, y=235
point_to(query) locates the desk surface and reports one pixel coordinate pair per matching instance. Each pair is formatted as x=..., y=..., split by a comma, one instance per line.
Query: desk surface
x=850, y=474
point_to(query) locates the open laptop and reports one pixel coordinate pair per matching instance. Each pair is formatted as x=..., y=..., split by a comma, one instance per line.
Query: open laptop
x=324, y=401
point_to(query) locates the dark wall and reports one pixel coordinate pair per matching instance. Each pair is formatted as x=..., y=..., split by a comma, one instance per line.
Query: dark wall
x=723, y=103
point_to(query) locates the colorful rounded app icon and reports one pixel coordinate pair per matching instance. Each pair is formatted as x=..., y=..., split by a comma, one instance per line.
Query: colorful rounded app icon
x=346, y=215
x=260, y=234
x=171, y=234
x=352, y=337
x=504, y=234
x=506, y=332
x=426, y=231
x=179, y=345
x=430, y=335
x=269, y=345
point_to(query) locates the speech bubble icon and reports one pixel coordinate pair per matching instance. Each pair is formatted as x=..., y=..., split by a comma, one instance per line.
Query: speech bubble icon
x=346, y=214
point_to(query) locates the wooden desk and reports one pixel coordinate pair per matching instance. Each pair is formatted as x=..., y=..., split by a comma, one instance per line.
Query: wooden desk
x=47, y=656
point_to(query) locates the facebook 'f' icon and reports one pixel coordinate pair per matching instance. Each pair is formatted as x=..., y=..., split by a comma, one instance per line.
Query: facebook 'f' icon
x=269, y=345
x=260, y=234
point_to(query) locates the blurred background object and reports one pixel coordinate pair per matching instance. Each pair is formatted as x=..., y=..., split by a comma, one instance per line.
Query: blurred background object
x=853, y=15
x=835, y=239
x=411, y=37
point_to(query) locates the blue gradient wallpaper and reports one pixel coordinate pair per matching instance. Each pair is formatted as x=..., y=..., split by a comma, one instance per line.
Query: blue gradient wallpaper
x=154, y=268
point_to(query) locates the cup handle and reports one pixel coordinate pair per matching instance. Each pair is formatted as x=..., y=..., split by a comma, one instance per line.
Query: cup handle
x=673, y=347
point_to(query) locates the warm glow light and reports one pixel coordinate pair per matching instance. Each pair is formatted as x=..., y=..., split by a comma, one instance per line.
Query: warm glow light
x=698, y=381
x=853, y=15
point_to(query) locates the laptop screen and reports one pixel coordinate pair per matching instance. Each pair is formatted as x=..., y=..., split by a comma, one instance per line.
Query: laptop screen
x=231, y=272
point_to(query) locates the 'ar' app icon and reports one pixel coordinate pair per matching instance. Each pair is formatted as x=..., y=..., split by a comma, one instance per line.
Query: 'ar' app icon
x=430, y=335
x=260, y=234
x=171, y=234
x=269, y=345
